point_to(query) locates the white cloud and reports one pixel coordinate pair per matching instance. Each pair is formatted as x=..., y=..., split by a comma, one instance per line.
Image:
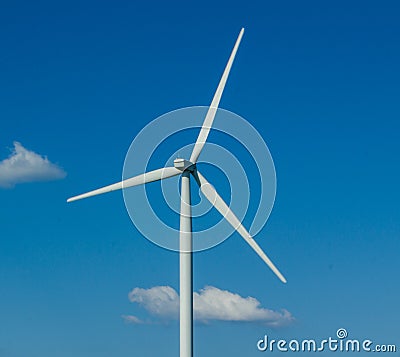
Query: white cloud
x=161, y=301
x=210, y=304
x=24, y=165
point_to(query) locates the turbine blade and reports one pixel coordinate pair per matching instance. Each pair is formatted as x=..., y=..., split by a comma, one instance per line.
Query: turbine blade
x=216, y=200
x=212, y=110
x=151, y=176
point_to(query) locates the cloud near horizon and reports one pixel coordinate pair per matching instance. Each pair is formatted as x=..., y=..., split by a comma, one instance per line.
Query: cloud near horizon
x=210, y=304
x=24, y=165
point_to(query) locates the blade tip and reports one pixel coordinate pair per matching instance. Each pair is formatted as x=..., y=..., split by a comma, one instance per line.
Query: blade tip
x=279, y=275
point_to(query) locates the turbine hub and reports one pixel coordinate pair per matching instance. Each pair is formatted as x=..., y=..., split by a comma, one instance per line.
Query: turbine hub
x=183, y=165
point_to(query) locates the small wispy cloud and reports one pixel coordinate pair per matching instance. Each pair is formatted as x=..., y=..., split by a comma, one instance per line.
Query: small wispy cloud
x=132, y=319
x=24, y=165
x=210, y=304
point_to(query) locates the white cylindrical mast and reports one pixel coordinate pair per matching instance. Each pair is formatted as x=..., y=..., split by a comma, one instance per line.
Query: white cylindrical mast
x=185, y=266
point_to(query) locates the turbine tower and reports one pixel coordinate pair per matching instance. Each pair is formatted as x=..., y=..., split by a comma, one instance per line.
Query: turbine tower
x=188, y=169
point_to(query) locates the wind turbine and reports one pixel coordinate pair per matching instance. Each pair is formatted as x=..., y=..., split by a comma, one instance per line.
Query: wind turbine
x=188, y=168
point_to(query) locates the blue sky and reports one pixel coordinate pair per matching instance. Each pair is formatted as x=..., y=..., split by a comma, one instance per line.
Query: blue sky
x=319, y=81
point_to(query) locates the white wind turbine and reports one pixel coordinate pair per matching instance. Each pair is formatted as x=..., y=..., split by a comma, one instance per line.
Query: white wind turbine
x=186, y=168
